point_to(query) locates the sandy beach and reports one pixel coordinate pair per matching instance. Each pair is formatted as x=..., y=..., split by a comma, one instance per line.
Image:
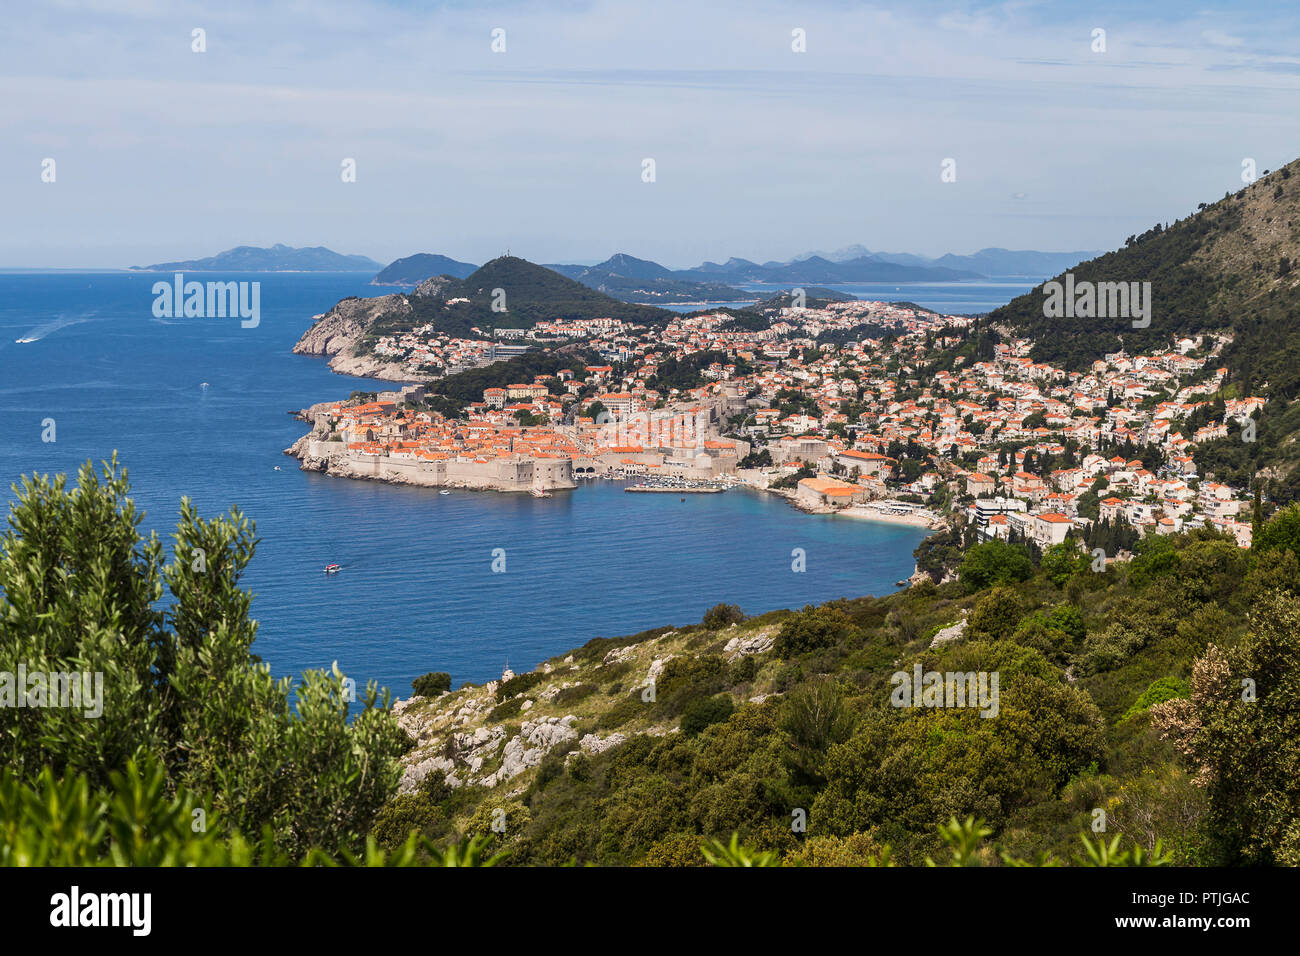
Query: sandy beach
x=920, y=518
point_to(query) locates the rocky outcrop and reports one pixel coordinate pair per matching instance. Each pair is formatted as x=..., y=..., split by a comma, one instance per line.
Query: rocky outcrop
x=534, y=742
x=595, y=744
x=461, y=757
x=947, y=635
x=755, y=644
x=436, y=287
x=918, y=577
x=338, y=332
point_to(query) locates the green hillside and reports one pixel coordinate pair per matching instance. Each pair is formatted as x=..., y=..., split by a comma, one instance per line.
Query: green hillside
x=1163, y=693
x=1229, y=268
x=532, y=294
x=754, y=724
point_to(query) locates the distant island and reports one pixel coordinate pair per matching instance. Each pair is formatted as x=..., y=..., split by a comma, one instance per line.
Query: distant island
x=988, y=262
x=278, y=258
x=642, y=281
x=412, y=270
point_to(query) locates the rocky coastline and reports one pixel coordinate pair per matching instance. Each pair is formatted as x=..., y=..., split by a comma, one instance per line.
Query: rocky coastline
x=336, y=334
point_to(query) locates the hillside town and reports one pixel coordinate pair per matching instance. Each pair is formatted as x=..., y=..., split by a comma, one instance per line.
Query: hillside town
x=825, y=405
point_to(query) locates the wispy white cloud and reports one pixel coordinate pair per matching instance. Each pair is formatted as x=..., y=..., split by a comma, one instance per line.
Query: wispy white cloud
x=760, y=151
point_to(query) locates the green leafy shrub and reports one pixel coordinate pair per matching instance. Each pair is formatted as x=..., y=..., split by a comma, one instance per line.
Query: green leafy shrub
x=1161, y=690
x=684, y=679
x=995, y=562
x=506, y=709
x=702, y=712
x=628, y=708
x=610, y=672
x=431, y=684
x=519, y=683
x=743, y=670
x=1062, y=561
x=722, y=615
x=812, y=629
x=995, y=615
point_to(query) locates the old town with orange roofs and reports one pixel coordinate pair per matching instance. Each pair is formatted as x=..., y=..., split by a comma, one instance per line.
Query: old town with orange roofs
x=1022, y=449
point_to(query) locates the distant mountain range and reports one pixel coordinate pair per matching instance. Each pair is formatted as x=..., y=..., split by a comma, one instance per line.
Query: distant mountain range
x=642, y=281
x=987, y=262
x=278, y=258
x=818, y=269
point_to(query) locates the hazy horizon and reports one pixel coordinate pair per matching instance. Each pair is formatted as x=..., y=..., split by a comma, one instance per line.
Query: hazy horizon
x=760, y=152
x=582, y=261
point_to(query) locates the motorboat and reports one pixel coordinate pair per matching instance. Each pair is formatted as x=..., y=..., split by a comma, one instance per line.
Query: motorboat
x=333, y=568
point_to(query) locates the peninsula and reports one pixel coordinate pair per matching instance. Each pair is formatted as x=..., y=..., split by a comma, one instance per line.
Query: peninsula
x=1092, y=429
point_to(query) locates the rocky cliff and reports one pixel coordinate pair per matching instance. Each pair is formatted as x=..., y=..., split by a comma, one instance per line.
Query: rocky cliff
x=339, y=331
x=495, y=735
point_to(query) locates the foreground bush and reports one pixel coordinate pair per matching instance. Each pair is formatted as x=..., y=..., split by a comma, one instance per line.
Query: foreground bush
x=133, y=821
x=82, y=591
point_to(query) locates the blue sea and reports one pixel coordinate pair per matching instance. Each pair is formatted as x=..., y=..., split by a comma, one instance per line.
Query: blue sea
x=417, y=592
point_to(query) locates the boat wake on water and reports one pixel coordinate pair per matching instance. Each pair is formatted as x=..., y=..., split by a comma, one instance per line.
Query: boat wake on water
x=45, y=328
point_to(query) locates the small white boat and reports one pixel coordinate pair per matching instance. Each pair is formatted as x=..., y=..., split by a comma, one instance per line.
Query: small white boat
x=444, y=492
x=332, y=569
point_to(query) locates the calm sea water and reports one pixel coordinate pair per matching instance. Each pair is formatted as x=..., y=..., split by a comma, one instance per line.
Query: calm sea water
x=417, y=592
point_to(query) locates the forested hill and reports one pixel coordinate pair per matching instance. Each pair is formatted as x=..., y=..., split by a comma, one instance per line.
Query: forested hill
x=1231, y=267
x=523, y=293
x=506, y=293
x=533, y=293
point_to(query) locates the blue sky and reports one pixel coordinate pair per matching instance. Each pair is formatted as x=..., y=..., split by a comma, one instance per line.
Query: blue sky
x=759, y=151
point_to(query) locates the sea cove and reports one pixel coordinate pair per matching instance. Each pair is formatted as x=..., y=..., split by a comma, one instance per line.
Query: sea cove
x=417, y=591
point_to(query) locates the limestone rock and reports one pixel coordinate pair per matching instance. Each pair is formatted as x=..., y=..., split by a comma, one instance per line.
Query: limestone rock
x=947, y=635
x=657, y=667
x=594, y=744
x=617, y=655
x=535, y=741
x=755, y=644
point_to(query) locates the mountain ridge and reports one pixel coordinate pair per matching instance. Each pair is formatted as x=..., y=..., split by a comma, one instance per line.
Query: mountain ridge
x=276, y=258
x=1225, y=269
x=505, y=293
x=990, y=261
